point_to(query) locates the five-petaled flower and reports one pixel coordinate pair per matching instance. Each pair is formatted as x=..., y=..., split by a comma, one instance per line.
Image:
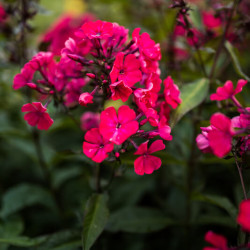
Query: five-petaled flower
x=98, y=29
x=147, y=163
x=95, y=146
x=244, y=215
x=217, y=137
x=227, y=90
x=127, y=69
x=118, y=128
x=37, y=115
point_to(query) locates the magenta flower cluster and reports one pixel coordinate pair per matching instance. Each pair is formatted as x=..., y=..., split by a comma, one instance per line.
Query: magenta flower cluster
x=97, y=64
x=218, y=137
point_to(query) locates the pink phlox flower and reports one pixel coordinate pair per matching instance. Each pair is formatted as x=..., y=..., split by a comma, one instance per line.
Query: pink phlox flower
x=146, y=97
x=85, y=98
x=120, y=90
x=119, y=37
x=147, y=163
x=98, y=29
x=155, y=80
x=245, y=145
x=149, y=65
x=146, y=45
x=165, y=111
x=202, y=140
x=242, y=121
x=127, y=69
x=73, y=91
x=152, y=116
x=21, y=79
x=164, y=130
x=220, y=137
x=37, y=115
x=89, y=120
x=73, y=47
x=210, y=21
x=41, y=61
x=63, y=28
x=95, y=146
x=171, y=92
x=227, y=90
x=244, y=215
x=3, y=14
x=195, y=37
x=118, y=127
x=219, y=242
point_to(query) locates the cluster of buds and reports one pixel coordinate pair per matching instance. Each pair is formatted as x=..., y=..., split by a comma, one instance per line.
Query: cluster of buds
x=218, y=138
x=102, y=61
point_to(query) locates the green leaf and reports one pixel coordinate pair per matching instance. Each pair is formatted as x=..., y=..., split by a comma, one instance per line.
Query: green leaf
x=138, y=220
x=25, y=195
x=192, y=95
x=96, y=217
x=68, y=239
x=23, y=241
x=216, y=220
x=235, y=60
x=218, y=201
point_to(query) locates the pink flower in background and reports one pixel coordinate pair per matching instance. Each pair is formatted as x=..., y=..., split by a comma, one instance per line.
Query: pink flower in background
x=98, y=29
x=85, y=99
x=202, y=140
x=118, y=128
x=244, y=215
x=95, y=146
x=120, y=90
x=171, y=92
x=146, y=45
x=217, y=137
x=62, y=29
x=210, y=21
x=90, y=120
x=37, y=115
x=219, y=242
x=3, y=14
x=21, y=79
x=227, y=90
x=127, y=69
x=242, y=121
x=147, y=163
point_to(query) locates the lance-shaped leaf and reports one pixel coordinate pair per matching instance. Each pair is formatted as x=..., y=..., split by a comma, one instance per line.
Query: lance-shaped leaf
x=138, y=220
x=192, y=95
x=95, y=219
x=235, y=60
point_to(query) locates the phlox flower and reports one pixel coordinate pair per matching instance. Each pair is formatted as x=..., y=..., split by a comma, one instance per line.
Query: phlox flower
x=37, y=115
x=242, y=121
x=244, y=215
x=146, y=45
x=98, y=29
x=227, y=90
x=210, y=21
x=119, y=127
x=89, y=120
x=147, y=163
x=85, y=98
x=95, y=146
x=120, y=90
x=21, y=79
x=126, y=69
x=217, y=137
x=171, y=92
x=219, y=242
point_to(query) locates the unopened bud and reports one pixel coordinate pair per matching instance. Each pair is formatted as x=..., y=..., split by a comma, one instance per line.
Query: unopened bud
x=31, y=85
x=90, y=75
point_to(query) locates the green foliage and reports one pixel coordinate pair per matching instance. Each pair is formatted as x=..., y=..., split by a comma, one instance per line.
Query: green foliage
x=25, y=195
x=95, y=218
x=138, y=220
x=192, y=95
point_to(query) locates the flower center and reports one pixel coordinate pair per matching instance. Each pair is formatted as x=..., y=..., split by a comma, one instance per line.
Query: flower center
x=118, y=125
